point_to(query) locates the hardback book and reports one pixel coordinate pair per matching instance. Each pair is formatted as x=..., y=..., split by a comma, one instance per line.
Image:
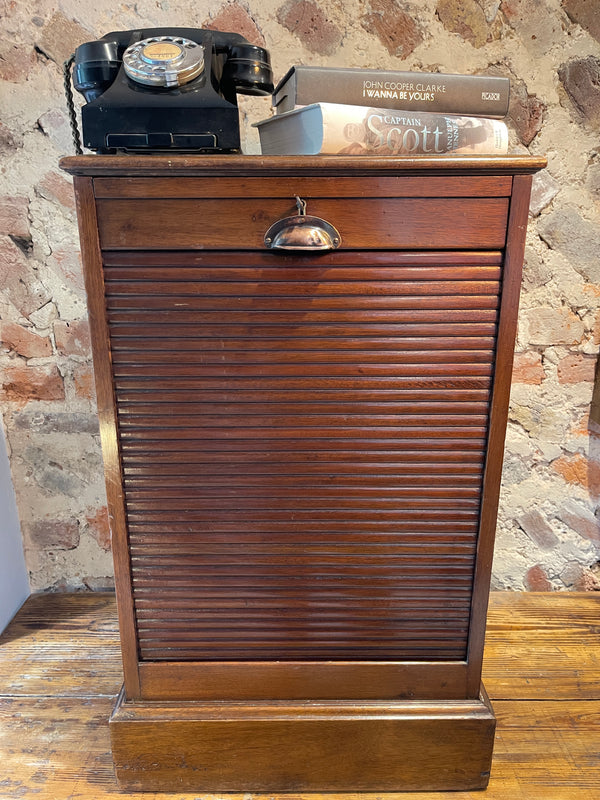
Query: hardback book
x=473, y=95
x=332, y=128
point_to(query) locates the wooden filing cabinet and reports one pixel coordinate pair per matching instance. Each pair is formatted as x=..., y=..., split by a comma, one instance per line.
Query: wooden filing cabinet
x=303, y=454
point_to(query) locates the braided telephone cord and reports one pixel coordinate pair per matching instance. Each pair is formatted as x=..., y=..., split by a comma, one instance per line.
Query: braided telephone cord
x=71, y=104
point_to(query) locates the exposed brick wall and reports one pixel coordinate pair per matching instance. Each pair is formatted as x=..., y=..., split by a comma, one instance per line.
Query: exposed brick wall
x=548, y=531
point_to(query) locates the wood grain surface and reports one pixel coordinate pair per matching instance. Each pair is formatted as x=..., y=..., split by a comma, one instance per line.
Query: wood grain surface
x=107, y=417
x=324, y=746
x=60, y=673
x=232, y=378
x=340, y=186
x=507, y=329
x=290, y=361
x=283, y=166
x=296, y=363
x=199, y=223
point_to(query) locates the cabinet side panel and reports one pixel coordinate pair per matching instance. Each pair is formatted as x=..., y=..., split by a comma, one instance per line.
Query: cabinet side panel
x=94, y=284
x=507, y=327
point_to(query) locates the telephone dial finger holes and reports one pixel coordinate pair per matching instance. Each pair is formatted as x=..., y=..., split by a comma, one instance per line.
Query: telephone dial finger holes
x=164, y=61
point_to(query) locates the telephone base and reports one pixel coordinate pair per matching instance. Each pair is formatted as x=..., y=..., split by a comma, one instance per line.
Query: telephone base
x=165, y=151
x=136, y=142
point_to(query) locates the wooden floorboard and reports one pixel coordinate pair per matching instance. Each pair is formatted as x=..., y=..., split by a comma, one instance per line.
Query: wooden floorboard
x=60, y=673
x=543, y=646
x=62, y=645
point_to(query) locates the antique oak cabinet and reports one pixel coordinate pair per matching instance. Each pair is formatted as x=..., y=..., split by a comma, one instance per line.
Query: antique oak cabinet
x=303, y=450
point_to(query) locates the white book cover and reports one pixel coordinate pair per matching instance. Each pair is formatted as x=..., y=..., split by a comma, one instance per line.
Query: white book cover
x=333, y=128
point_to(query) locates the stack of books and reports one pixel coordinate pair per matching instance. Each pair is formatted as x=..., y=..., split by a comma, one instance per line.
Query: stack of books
x=324, y=110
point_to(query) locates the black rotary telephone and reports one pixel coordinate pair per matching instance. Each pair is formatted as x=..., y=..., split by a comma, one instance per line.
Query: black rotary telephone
x=165, y=89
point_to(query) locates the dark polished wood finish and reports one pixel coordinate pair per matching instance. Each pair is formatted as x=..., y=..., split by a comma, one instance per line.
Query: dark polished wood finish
x=303, y=453
x=368, y=746
x=298, y=167
x=107, y=414
x=197, y=223
x=507, y=329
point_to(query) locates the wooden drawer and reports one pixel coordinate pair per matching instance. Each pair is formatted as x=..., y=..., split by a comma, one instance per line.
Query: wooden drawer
x=398, y=213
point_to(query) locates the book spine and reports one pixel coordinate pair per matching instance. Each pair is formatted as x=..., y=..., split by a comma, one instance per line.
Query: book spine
x=471, y=95
x=374, y=131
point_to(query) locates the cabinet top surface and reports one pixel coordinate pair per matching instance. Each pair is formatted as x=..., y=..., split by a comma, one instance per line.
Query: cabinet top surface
x=273, y=166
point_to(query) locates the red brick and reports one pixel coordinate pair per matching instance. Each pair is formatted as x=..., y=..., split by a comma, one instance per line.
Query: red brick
x=538, y=529
x=572, y=468
x=526, y=112
x=577, y=368
x=306, y=20
x=21, y=340
x=72, y=338
x=83, y=380
x=394, y=27
x=53, y=534
x=13, y=264
x=21, y=383
x=58, y=189
x=580, y=471
x=14, y=216
x=99, y=527
x=233, y=17
x=581, y=520
x=536, y=580
x=527, y=368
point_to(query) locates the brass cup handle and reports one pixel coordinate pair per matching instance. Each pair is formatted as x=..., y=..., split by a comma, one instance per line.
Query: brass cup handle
x=302, y=232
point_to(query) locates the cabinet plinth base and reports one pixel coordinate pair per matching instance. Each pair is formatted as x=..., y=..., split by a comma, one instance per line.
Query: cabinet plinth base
x=303, y=746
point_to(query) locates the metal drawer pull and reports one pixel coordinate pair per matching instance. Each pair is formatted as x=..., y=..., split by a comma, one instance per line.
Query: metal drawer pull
x=302, y=232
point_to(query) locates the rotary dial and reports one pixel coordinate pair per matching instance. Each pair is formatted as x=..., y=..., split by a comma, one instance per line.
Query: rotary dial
x=164, y=61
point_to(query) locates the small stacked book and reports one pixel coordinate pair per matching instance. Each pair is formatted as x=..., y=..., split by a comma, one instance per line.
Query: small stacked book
x=320, y=110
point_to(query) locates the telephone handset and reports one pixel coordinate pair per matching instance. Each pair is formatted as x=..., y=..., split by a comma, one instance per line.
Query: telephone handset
x=165, y=89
